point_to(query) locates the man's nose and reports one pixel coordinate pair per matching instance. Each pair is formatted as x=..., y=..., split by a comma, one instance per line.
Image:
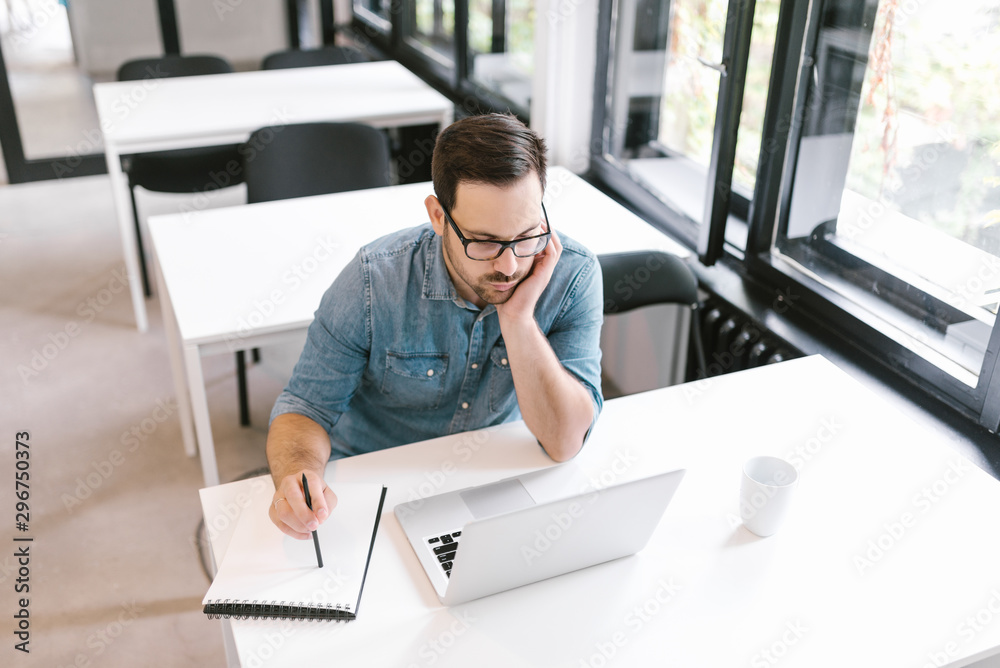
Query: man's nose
x=506, y=263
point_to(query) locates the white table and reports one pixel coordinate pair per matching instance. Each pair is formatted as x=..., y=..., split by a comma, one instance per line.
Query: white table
x=890, y=548
x=241, y=277
x=186, y=112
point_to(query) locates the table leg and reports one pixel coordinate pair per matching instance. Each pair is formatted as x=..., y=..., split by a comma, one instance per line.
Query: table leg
x=176, y=352
x=126, y=225
x=199, y=407
x=229, y=642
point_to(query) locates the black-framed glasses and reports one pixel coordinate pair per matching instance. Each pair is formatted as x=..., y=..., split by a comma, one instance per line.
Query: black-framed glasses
x=491, y=250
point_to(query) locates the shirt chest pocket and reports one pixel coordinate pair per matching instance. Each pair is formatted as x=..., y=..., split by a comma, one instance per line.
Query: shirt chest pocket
x=414, y=380
x=501, y=382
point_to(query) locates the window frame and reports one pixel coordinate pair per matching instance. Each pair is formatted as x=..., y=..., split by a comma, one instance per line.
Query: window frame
x=454, y=81
x=796, y=34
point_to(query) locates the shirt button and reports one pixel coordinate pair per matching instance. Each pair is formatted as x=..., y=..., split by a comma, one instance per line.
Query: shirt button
x=430, y=372
x=465, y=404
x=504, y=361
x=475, y=366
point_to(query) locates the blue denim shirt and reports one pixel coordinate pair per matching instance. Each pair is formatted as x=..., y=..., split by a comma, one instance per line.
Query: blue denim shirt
x=395, y=355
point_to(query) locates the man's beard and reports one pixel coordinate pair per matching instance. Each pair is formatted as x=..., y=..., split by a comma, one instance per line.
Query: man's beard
x=481, y=285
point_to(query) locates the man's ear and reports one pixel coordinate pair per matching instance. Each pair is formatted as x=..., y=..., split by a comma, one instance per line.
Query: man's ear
x=436, y=214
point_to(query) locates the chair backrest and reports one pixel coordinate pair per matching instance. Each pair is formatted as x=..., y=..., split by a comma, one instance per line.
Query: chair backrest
x=331, y=55
x=285, y=161
x=172, y=66
x=642, y=278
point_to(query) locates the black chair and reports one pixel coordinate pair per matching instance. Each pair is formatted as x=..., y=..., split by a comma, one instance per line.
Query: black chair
x=644, y=278
x=330, y=55
x=184, y=170
x=286, y=161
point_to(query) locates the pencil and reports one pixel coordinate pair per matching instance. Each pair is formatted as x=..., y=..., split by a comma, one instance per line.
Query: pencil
x=309, y=504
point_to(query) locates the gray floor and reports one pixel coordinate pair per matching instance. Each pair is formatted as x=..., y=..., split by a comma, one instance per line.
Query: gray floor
x=115, y=577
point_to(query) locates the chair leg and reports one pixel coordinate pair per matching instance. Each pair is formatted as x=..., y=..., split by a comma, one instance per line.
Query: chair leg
x=255, y=353
x=138, y=240
x=241, y=383
x=699, y=346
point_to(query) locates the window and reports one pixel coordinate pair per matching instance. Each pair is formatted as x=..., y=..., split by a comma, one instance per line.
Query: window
x=480, y=51
x=374, y=11
x=429, y=27
x=894, y=198
x=663, y=89
x=502, y=49
x=863, y=145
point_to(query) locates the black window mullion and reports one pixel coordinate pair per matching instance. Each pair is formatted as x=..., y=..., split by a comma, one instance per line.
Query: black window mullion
x=736, y=53
x=498, y=42
x=462, y=55
x=989, y=381
x=22, y=170
x=779, y=116
x=168, y=27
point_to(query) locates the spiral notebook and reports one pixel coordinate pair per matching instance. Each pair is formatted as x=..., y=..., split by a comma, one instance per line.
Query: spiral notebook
x=266, y=574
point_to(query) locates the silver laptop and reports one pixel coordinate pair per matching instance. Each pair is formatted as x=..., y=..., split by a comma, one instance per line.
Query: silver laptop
x=487, y=539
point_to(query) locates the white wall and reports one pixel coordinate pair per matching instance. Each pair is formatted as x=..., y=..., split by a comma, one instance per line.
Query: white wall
x=241, y=31
x=106, y=33
x=109, y=32
x=563, y=86
x=642, y=349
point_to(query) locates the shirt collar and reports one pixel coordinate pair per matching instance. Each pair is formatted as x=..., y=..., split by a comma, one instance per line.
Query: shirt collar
x=437, y=280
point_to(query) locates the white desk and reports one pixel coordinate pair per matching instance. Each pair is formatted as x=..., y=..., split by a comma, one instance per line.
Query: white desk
x=704, y=592
x=241, y=277
x=185, y=112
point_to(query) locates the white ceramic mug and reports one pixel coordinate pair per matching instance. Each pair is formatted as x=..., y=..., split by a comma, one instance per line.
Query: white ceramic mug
x=765, y=493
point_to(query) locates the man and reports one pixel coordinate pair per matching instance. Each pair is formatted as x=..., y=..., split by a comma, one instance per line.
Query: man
x=479, y=318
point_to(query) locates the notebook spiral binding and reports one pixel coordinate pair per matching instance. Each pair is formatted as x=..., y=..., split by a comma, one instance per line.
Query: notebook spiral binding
x=237, y=609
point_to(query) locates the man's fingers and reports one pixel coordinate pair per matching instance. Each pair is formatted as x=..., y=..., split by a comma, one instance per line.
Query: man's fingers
x=282, y=521
x=330, y=499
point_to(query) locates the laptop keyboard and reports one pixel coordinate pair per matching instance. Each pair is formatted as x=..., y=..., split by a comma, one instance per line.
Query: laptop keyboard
x=444, y=547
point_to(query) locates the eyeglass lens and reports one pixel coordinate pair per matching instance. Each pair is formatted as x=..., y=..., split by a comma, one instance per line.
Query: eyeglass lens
x=487, y=250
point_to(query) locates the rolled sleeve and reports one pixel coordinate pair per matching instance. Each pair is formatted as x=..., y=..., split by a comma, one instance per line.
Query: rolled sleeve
x=575, y=336
x=336, y=352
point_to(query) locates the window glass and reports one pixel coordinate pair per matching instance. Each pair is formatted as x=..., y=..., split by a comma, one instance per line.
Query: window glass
x=502, y=49
x=895, y=185
x=664, y=91
x=375, y=9
x=431, y=29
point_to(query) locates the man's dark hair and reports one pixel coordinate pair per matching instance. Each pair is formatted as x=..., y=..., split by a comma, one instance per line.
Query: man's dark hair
x=493, y=149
